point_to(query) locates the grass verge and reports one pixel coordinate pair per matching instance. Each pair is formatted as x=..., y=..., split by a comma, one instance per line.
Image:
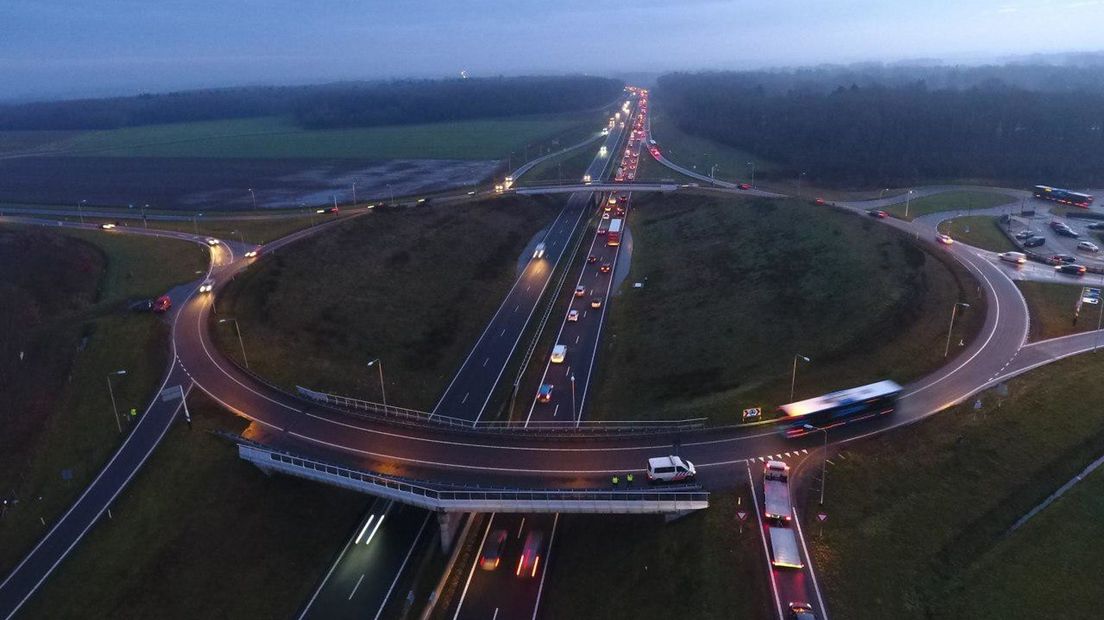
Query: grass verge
x=980, y=231
x=735, y=287
x=414, y=287
x=567, y=168
x=1052, y=308
x=948, y=201
x=67, y=336
x=919, y=549
x=201, y=534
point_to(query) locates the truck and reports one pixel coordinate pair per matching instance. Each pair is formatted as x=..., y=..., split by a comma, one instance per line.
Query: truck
x=784, y=551
x=776, y=490
x=613, y=235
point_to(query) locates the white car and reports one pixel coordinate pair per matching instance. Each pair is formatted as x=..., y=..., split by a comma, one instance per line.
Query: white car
x=580, y=290
x=212, y=241
x=107, y=226
x=572, y=316
x=1018, y=258
x=1088, y=246
x=251, y=254
x=559, y=353
x=207, y=286
x=539, y=251
x=944, y=239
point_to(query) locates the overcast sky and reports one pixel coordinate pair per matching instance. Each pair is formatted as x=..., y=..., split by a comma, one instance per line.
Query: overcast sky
x=81, y=47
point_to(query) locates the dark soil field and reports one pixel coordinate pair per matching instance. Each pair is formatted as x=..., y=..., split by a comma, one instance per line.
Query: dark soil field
x=196, y=183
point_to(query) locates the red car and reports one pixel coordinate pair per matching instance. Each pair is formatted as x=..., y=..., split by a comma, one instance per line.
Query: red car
x=162, y=304
x=820, y=201
x=877, y=213
x=605, y=268
x=530, y=555
x=743, y=186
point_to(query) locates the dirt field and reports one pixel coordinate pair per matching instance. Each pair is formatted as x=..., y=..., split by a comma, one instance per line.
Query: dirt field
x=211, y=184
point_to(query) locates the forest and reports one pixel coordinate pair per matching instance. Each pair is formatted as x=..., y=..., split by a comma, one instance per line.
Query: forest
x=344, y=104
x=877, y=126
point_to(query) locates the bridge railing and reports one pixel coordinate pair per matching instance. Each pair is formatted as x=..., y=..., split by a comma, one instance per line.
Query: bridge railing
x=374, y=410
x=453, y=497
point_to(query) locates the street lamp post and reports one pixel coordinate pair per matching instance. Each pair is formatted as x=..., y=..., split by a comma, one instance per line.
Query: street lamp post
x=145, y=223
x=80, y=212
x=254, y=196
x=383, y=391
x=954, y=310
x=354, y=193
x=799, y=177
x=752, y=165
x=241, y=236
x=908, y=200
x=111, y=393
x=793, y=377
x=824, y=461
x=241, y=343
x=391, y=191
x=573, y=415
x=712, y=180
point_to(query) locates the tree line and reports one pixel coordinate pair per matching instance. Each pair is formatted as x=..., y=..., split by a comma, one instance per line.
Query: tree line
x=344, y=104
x=882, y=127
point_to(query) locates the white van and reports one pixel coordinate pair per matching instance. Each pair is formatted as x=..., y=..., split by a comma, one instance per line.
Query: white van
x=559, y=352
x=670, y=469
x=1013, y=257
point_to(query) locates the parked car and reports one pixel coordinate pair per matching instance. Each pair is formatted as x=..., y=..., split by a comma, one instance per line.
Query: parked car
x=1087, y=246
x=1025, y=234
x=492, y=550
x=1034, y=242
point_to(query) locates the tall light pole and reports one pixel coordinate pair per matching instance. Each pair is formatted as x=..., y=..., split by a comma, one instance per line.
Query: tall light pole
x=80, y=212
x=383, y=391
x=824, y=461
x=799, y=177
x=241, y=236
x=241, y=343
x=145, y=224
x=793, y=377
x=1099, y=319
x=752, y=165
x=712, y=180
x=254, y=196
x=392, y=192
x=954, y=310
x=881, y=194
x=908, y=200
x=111, y=393
x=354, y=193
x=573, y=398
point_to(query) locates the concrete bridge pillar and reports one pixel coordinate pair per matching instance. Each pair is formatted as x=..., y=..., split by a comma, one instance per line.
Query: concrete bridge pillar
x=449, y=523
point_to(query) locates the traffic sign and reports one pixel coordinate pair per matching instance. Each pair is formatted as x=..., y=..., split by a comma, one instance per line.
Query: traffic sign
x=822, y=517
x=741, y=515
x=752, y=413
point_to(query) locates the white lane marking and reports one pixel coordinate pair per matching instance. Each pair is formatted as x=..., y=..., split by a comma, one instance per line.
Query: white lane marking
x=465, y=399
x=485, y=362
x=355, y=587
x=467, y=583
x=521, y=527
x=556, y=410
x=502, y=333
x=577, y=339
x=763, y=537
x=325, y=579
x=495, y=614
x=402, y=567
x=517, y=307
x=547, y=561
x=809, y=562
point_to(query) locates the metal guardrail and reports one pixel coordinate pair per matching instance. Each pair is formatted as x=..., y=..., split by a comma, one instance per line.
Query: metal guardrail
x=423, y=418
x=477, y=499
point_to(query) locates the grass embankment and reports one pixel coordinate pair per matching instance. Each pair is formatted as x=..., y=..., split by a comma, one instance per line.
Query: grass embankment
x=1052, y=307
x=66, y=327
x=735, y=287
x=278, y=137
x=918, y=515
x=693, y=152
x=201, y=534
x=414, y=287
x=948, y=201
x=638, y=567
x=980, y=231
x=567, y=168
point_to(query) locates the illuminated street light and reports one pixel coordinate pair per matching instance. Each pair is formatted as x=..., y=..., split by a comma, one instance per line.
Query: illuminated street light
x=241, y=343
x=954, y=310
x=383, y=391
x=111, y=393
x=793, y=377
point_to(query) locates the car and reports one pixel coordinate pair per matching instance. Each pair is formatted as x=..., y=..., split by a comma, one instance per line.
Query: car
x=572, y=316
x=1075, y=270
x=492, y=550
x=605, y=216
x=107, y=226
x=530, y=554
x=944, y=239
x=619, y=211
x=877, y=213
x=1066, y=231
x=820, y=201
x=802, y=611
x=335, y=210
x=207, y=286
x=1062, y=259
x=592, y=259
x=743, y=186
x=162, y=304
x=1096, y=226
x=559, y=353
x=602, y=231
x=1034, y=242
x=253, y=253
x=1088, y=246
x=596, y=303
x=605, y=268
x=538, y=252
x=612, y=200
x=670, y=469
x=580, y=290
x=1013, y=257
x=212, y=241
x=1025, y=234
x=544, y=393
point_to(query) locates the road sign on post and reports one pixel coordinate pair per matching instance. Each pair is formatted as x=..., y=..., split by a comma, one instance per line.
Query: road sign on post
x=752, y=414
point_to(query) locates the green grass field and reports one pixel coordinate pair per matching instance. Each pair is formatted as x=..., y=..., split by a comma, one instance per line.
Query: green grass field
x=980, y=231
x=701, y=566
x=917, y=516
x=201, y=534
x=693, y=151
x=735, y=287
x=414, y=287
x=69, y=353
x=277, y=137
x=948, y=201
x=1052, y=307
x=568, y=168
